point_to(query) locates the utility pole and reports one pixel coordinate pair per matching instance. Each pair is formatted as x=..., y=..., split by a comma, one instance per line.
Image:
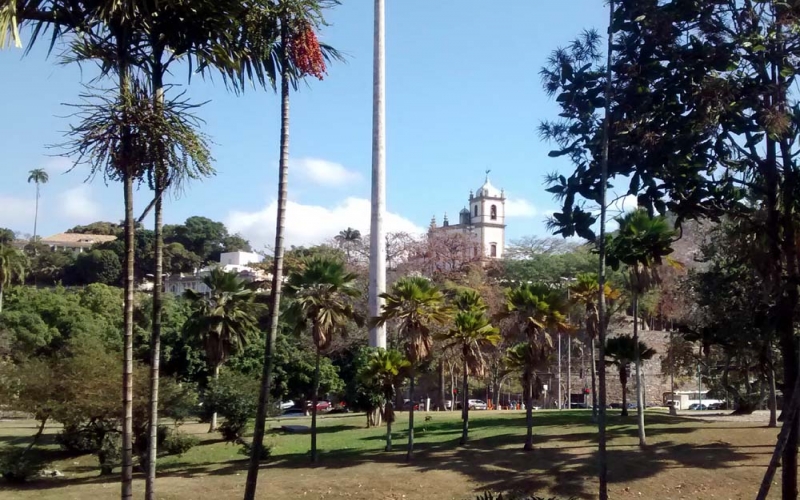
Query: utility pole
x=560, y=400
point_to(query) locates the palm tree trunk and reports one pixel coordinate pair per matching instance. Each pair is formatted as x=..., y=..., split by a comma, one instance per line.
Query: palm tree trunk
x=277, y=285
x=529, y=412
x=127, y=366
x=465, y=407
x=155, y=338
x=623, y=380
x=441, y=385
x=773, y=403
x=638, y=363
x=314, y=401
x=594, y=380
x=36, y=213
x=2, y=289
x=389, y=418
x=377, y=260
x=213, y=426
x=410, y=453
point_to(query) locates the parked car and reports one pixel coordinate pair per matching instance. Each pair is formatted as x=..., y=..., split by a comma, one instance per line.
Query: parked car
x=716, y=406
x=615, y=406
x=407, y=405
x=579, y=406
x=477, y=404
x=697, y=406
x=321, y=405
x=294, y=412
x=284, y=405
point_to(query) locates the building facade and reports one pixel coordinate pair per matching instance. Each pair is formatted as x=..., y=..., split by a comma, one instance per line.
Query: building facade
x=238, y=262
x=483, y=221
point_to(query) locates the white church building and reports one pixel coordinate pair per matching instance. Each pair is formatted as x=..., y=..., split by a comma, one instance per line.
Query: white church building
x=484, y=221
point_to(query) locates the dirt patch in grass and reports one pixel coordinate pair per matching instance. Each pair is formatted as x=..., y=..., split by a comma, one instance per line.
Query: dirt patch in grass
x=685, y=458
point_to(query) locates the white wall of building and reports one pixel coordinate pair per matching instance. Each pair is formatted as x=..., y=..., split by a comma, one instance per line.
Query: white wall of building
x=239, y=258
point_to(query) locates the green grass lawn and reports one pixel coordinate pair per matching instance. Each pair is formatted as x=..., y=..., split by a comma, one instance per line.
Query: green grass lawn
x=686, y=458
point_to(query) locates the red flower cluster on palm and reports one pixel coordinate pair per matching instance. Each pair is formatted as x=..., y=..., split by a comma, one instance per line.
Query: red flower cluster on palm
x=306, y=53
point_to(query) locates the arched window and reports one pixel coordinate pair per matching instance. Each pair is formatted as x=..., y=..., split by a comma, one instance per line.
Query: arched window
x=476, y=210
x=493, y=212
x=493, y=250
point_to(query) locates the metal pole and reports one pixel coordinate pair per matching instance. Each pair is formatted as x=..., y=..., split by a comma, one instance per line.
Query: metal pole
x=699, y=386
x=559, y=372
x=569, y=373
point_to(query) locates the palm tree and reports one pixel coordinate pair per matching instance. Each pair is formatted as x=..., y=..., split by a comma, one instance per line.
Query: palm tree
x=321, y=294
x=37, y=176
x=295, y=54
x=347, y=238
x=536, y=310
x=221, y=319
x=377, y=246
x=585, y=292
x=526, y=359
x=12, y=268
x=470, y=334
x=623, y=352
x=416, y=304
x=386, y=369
x=641, y=243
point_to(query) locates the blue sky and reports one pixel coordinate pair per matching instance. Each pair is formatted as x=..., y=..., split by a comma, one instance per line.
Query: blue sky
x=463, y=95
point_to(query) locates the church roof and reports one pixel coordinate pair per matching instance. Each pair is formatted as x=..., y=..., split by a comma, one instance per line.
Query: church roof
x=488, y=191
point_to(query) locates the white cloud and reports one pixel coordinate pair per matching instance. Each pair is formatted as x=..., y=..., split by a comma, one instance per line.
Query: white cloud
x=312, y=224
x=77, y=206
x=324, y=172
x=624, y=204
x=17, y=213
x=58, y=165
x=519, y=207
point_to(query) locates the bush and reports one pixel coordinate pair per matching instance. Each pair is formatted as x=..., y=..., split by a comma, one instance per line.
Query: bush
x=178, y=443
x=110, y=453
x=77, y=439
x=235, y=398
x=247, y=450
x=179, y=401
x=18, y=465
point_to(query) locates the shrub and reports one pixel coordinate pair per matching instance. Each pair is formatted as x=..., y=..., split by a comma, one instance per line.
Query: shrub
x=235, y=398
x=110, y=453
x=247, y=450
x=178, y=443
x=77, y=439
x=179, y=401
x=18, y=465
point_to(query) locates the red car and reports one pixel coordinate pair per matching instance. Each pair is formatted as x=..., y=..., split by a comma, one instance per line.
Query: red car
x=321, y=405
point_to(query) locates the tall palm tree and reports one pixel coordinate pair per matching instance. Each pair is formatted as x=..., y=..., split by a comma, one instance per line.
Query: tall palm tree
x=623, y=352
x=38, y=176
x=585, y=292
x=12, y=268
x=377, y=245
x=222, y=319
x=471, y=333
x=321, y=294
x=295, y=54
x=537, y=310
x=416, y=304
x=641, y=243
x=386, y=369
x=347, y=238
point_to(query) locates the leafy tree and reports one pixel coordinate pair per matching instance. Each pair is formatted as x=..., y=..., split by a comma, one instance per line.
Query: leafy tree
x=622, y=350
x=179, y=260
x=416, y=304
x=100, y=228
x=96, y=266
x=205, y=238
x=386, y=370
x=49, y=267
x=7, y=236
x=359, y=395
x=221, y=319
x=321, y=299
x=471, y=333
x=12, y=268
x=38, y=176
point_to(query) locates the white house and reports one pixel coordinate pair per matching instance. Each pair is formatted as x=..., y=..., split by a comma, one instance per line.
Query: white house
x=237, y=262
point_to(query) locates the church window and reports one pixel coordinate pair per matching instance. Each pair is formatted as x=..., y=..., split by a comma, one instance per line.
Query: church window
x=493, y=250
x=494, y=212
x=476, y=210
